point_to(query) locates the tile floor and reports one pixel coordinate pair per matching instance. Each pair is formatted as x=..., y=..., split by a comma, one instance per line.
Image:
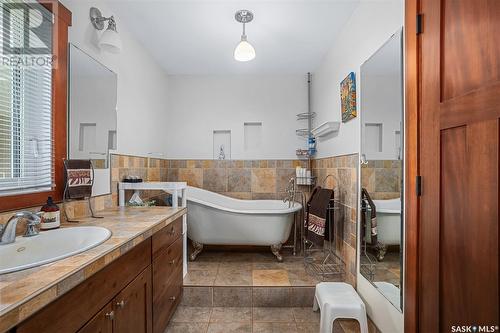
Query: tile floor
x=251, y=320
x=387, y=270
x=256, y=269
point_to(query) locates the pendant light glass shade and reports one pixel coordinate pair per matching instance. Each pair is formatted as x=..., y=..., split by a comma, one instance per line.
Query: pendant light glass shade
x=244, y=51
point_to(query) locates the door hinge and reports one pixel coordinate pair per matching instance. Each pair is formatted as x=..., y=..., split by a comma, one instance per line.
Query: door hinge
x=419, y=24
x=418, y=185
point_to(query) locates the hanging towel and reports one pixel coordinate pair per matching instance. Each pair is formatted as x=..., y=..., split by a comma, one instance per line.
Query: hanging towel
x=317, y=214
x=373, y=215
x=79, y=179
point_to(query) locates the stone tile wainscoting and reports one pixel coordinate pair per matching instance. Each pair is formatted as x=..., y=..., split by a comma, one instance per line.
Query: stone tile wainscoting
x=382, y=179
x=344, y=177
x=242, y=179
x=147, y=168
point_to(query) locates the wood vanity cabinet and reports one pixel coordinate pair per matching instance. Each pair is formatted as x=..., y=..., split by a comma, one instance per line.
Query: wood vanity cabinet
x=101, y=323
x=128, y=312
x=167, y=274
x=133, y=306
x=137, y=293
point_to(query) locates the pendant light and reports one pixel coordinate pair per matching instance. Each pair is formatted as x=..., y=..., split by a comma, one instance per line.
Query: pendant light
x=244, y=51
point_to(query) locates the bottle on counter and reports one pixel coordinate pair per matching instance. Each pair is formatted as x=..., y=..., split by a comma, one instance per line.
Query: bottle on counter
x=51, y=218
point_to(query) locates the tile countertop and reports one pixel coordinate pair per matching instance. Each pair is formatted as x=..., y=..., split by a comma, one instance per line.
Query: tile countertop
x=24, y=292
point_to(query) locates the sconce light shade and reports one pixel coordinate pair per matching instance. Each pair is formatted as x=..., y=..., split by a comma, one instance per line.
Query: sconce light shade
x=110, y=41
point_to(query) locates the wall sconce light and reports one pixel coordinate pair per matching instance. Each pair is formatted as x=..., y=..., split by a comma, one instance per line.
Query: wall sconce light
x=110, y=39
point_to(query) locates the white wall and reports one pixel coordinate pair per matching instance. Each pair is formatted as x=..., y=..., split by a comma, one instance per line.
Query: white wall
x=384, y=99
x=198, y=105
x=142, y=85
x=87, y=109
x=371, y=24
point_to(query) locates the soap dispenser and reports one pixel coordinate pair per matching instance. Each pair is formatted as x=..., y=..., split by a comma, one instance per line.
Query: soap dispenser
x=51, y=218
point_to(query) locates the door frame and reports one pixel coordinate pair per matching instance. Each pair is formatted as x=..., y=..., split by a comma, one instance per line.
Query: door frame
x=412, y=202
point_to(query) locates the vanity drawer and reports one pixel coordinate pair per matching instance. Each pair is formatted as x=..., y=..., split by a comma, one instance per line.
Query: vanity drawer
x=167, y=284
x=165, y=304
x=166, y=236
x=165, y=267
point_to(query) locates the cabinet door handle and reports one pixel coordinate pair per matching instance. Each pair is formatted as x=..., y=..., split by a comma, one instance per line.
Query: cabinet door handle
x=173, y=298
x=172, y=232
x=110, y=315
x=120, y=304
x=172, y=262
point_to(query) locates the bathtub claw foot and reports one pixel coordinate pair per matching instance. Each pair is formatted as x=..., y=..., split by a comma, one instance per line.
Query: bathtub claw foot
x=275, y=249
x=197, y=248
x=381, y=251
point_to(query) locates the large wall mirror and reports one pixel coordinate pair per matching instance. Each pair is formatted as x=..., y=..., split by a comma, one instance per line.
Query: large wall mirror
x=382, y=184
x=92, y=109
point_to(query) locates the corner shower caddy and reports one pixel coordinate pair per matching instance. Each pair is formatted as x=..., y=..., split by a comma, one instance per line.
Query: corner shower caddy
x=306, y=133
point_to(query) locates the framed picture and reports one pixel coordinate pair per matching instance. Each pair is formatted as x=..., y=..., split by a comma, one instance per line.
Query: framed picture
x=348, y=97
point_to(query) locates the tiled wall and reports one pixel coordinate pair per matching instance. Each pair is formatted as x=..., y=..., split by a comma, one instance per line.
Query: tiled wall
x=146, y=168
x=243, y=179
x=382, y=179
x=344, y=170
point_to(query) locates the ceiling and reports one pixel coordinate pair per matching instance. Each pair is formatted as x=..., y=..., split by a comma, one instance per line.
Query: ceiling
x=190, y=37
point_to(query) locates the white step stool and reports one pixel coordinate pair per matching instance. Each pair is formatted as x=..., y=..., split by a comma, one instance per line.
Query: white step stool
x=338, y=300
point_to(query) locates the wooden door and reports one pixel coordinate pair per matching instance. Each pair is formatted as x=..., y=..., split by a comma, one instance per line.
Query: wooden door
x=132, y=306
x=459, y=148
x=102, y=322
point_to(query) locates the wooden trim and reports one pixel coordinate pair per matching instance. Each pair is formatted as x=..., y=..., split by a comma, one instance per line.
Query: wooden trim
x=429, y=166
x=59, y=110
x=410, y=285
x=452, y=111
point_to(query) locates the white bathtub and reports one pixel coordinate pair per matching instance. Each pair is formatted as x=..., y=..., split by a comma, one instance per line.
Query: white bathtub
x=389, y=221
x=215, y=219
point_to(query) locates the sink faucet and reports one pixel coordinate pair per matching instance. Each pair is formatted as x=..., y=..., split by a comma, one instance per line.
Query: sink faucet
x=8, y=231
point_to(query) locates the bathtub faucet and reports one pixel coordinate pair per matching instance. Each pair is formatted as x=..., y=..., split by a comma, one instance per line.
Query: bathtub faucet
x=290, y=191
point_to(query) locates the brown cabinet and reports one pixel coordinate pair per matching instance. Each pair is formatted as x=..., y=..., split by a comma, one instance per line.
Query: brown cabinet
x=128, y=312
x=101, y=323
x=137, y=293
x=132, y=306
x=167, y=284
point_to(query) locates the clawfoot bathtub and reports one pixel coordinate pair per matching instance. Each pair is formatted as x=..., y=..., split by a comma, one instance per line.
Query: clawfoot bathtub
x=214, y=219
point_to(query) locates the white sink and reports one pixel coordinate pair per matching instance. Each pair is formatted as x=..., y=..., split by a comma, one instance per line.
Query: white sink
x=49, y=246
